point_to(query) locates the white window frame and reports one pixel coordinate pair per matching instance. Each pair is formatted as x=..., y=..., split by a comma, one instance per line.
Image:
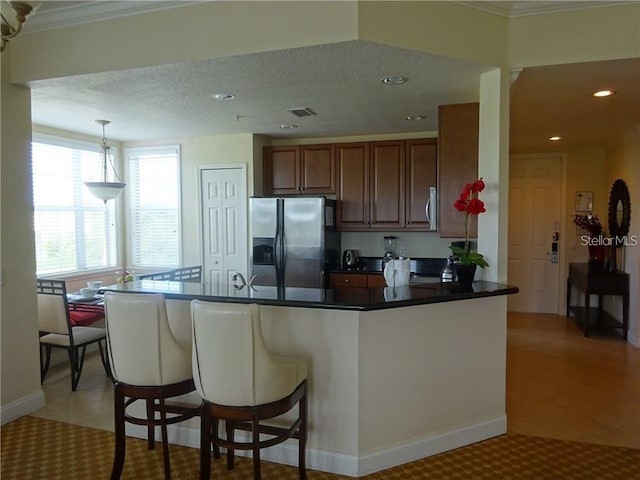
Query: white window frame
x=135, y=152
x=72, y=143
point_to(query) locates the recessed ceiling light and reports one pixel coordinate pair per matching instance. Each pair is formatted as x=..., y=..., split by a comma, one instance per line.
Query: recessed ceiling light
x=604, y=93
x=287, y=127
x=415, y=118
x=555, y=138
x=223, y=96
x=394, y=80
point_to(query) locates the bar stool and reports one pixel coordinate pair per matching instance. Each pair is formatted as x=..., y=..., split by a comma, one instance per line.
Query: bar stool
x=243, y=384
x=147, y=364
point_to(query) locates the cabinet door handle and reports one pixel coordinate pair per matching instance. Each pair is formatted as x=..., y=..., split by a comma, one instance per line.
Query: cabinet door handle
x=427, y=209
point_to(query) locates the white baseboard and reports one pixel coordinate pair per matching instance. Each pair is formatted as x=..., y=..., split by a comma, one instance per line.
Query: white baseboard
x=426, y=447
x=22, y=406
x=348, y=464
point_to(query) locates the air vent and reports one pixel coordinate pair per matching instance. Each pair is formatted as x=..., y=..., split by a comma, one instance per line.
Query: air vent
x=301, y=112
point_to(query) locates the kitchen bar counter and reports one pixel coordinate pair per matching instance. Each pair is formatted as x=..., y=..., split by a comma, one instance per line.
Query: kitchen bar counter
x=394, y=374
x=363, y=299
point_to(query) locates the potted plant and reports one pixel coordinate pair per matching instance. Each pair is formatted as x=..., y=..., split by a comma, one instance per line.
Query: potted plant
x=590, y=223
x=468, y=260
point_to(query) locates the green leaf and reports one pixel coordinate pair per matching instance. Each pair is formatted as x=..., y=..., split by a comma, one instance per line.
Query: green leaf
x=468, y=258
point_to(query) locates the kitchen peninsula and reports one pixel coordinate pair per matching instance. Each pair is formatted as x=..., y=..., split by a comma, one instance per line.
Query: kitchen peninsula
x=395, y=374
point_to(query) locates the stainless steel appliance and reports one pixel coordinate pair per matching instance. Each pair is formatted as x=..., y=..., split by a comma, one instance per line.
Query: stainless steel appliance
x=294, y=241
x=349, y=258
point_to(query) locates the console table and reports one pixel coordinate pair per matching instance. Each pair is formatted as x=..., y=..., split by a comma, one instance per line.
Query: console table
x=599, y=283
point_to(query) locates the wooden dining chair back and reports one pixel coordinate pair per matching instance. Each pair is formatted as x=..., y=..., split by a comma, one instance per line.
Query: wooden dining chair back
x=241, y=383
x=188, y=274
x=148, y=365
x=182, y=274
x=57, y=331
x=168, y=275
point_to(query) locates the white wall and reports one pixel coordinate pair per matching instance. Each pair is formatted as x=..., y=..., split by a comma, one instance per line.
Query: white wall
x=623, y=161
x=198, y=151
x=21, y=392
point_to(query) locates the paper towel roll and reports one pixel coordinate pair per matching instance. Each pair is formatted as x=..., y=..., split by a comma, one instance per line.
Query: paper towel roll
x=397, y=273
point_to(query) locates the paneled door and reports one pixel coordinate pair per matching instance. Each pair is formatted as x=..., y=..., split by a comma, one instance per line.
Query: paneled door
x=223, y=200
x=535, y=206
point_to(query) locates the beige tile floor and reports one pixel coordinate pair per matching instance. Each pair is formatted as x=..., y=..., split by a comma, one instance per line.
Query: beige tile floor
x=565, y=386
x=559, y=385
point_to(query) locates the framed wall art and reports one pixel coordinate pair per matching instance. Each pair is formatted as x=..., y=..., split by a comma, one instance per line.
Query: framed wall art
x=584, y=201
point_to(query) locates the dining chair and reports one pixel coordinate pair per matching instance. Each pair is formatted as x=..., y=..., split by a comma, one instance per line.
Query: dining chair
x=168, y=275
x=243, y=384
x=182, y=274
x=57, y=330
x=148, y=364
x=188, y=274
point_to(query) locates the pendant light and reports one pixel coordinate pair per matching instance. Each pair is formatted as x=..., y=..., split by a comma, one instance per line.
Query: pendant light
x=104, y=189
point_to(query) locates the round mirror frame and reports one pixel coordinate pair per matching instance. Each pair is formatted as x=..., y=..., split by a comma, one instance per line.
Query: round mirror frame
x=619, y=195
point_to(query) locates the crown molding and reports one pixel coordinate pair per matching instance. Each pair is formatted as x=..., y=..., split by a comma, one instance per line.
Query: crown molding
x=66, y=14
x=523, y=8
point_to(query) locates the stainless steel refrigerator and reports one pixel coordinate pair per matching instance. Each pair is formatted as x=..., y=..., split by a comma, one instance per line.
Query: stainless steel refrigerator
x=294, y=242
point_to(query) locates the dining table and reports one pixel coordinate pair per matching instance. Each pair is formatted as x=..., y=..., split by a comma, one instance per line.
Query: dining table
x=85, y=311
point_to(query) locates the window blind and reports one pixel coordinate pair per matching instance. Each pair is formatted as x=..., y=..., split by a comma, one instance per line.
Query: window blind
x=154, y=215
x=74, y=231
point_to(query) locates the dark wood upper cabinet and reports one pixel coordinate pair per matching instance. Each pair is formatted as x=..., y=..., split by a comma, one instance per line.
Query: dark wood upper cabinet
x=370, y=186
x=318, y=169
x=282, y=170
x=295, y=169
x=458, y=130
x=387, y=185
x=353, y=186
x=421, y=172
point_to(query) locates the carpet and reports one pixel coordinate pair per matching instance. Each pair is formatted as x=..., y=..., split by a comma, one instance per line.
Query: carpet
x=33, y=448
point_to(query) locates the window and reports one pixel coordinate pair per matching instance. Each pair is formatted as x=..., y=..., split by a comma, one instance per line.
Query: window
x=154, y=208
x=74, y=231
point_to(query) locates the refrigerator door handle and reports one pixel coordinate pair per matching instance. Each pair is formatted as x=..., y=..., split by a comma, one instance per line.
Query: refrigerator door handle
x=277, y=242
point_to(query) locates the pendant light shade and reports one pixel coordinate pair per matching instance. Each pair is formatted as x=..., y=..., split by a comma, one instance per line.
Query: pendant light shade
x=105, y=189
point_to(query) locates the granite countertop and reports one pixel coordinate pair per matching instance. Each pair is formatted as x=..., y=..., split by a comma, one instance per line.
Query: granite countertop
x=347, y=298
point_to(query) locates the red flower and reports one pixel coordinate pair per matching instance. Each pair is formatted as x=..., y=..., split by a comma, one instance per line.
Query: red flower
x=475, y=207
x=590, y=223
x=469, y=204
x=460, y=205
x=478, y=185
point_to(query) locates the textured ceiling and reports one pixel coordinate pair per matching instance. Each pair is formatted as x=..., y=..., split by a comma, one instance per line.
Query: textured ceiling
x=340, y=82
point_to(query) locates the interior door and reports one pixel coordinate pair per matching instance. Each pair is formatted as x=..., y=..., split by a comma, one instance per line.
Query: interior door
x=535, y=193
x=223, y=197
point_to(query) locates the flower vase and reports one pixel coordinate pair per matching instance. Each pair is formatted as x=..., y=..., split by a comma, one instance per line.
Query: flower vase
x=466, y=274
x=596, y=257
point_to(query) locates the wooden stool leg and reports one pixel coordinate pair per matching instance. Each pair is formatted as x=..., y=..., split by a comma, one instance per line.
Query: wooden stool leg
x=118, y=458
x=302, y=440
x=151, y=429
x=205, y=444
x=165, y=440
x=230, y=438
x=255, y=439
x=216, y=448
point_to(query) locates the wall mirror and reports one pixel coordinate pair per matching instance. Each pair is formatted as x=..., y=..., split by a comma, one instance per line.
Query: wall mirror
x=619, y=212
